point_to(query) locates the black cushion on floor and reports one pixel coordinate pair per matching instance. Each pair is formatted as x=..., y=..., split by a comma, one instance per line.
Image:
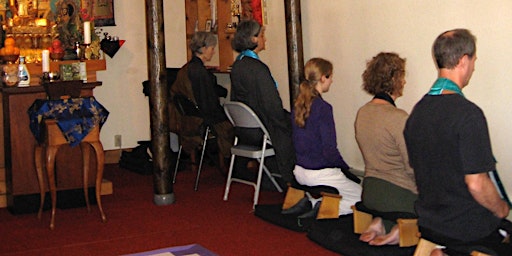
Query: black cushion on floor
x=338, y=235
x=386, y=215
x=272, y=214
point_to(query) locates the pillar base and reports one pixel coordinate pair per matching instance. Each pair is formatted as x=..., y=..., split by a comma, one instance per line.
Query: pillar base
x=164, y=199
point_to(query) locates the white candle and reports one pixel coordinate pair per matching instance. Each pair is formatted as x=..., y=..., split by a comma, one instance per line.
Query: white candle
x=46, y=61
x=87, y=32
x=21, y=8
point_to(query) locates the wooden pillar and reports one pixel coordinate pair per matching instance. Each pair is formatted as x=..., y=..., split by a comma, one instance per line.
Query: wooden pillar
x=158, y=100
x=294, y=46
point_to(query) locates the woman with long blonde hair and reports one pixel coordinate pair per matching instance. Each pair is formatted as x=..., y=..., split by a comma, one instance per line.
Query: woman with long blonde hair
x=319, y=161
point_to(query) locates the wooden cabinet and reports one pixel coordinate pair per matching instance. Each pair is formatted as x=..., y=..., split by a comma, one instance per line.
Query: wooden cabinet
x=199, y=14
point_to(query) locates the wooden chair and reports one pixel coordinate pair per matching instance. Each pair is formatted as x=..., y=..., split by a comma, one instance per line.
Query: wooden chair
x=188, y=108
x=47, y=150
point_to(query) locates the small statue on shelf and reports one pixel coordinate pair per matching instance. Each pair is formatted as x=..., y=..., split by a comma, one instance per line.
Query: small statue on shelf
x=68, y=24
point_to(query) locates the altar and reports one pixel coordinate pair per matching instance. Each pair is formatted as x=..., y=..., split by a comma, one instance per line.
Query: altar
x=22, y=189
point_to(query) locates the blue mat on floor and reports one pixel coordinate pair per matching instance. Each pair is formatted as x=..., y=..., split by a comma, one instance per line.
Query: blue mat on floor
x=338, y=235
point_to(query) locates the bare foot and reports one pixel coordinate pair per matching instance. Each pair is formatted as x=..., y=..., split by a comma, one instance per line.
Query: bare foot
x=437, y=252
x=375, y=229
x=392, y=237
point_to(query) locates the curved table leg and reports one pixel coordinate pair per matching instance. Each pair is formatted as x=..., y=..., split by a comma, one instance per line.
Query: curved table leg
x=39, y=169
x=85, y=158
x=51, y=152
x=100, y=159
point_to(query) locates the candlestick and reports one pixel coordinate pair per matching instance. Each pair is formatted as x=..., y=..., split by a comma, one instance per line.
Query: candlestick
x=87, y=32
x=46, y=61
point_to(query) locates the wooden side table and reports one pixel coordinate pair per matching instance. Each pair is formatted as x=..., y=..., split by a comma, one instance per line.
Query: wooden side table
x=47, y=150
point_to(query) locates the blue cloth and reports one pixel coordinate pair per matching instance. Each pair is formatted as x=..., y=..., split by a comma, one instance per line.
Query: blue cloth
x=315, y=144
x=76, y=117
x=442, y=84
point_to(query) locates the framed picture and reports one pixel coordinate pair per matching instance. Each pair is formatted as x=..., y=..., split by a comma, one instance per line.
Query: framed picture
x=103, y=12
x=208, y=26
x=254, y=9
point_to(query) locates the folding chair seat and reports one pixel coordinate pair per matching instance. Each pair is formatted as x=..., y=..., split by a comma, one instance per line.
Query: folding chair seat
x=187, y=108
x=240, y=115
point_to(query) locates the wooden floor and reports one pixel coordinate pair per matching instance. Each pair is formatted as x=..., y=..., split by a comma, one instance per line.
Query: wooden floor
x=107, y=188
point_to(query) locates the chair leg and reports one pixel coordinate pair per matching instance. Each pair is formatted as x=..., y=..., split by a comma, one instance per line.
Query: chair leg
x=258, y=182
x=293, y=196
x=329, y=207
x=202, y=157
x=177, y=165
x=271, y=177
x=362, y=220
x=409, y=233
x=230, y=173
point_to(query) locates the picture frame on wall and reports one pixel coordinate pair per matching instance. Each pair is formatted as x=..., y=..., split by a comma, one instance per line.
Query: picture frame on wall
x=254, y=9
x=103, y=12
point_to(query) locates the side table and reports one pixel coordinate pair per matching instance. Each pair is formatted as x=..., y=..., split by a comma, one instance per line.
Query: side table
x=48, y=149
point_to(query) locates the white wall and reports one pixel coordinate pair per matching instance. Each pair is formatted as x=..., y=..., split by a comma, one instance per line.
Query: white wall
x=347, y=32
x=121, y=92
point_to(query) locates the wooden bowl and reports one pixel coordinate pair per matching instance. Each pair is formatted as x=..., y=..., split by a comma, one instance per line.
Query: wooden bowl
x=57, y=56
x=12, y=58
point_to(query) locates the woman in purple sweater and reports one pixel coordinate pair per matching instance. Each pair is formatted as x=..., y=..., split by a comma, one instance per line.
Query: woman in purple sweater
x=314, y=135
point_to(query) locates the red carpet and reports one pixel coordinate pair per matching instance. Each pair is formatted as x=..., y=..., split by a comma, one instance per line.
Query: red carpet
x=134, y=224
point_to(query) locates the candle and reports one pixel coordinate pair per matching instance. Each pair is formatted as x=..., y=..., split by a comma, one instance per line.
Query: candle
x=46, y=61
x=87, y=32
x=21, y=8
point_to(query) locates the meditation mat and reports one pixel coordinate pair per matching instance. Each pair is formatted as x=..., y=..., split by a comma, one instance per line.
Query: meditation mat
x=272, y=214
x=186, y=250
x=338, y=235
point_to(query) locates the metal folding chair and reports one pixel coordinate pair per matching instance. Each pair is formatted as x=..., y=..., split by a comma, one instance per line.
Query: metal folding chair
x=242, y=116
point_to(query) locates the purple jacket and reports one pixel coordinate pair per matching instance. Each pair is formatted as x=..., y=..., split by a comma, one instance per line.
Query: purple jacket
x=315, y=144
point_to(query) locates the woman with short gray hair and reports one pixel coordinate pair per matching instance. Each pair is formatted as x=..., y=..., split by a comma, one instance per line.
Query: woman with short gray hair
x=198, y=83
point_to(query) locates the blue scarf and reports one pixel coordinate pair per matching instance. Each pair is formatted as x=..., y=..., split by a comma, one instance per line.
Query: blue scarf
x=442, y=84
x=248, y=53
x=252, y=54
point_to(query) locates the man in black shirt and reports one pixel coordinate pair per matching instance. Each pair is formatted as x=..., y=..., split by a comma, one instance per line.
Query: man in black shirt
x=449, y=148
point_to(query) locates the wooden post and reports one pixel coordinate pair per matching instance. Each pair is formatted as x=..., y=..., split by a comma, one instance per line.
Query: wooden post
x=158, y=101
x=294, y=46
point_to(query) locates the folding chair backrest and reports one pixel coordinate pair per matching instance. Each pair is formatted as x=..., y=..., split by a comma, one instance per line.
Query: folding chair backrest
x=243, y=116
x=186, y=106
